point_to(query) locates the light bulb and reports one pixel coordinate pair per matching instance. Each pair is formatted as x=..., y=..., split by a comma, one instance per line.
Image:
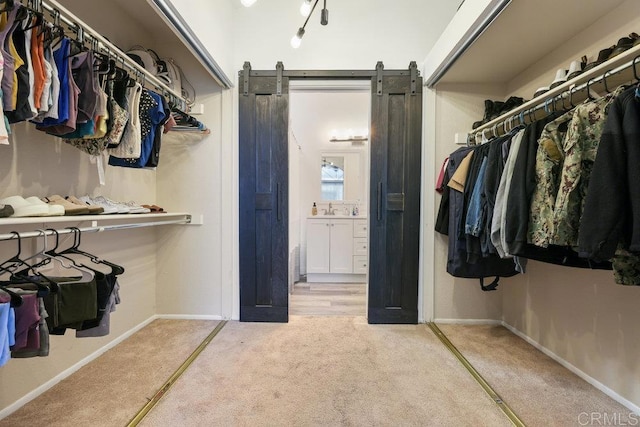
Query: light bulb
x=297, y=39
x=248, y=3
x=295, y=42
x=350, y=133
x=305, y=9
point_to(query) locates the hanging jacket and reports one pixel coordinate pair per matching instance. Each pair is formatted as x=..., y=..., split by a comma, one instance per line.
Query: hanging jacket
x=457, y=264
x=612, y=206
x=523, y=183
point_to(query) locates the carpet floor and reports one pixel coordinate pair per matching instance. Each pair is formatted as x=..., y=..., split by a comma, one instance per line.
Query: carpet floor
x=537, y=388
x=325, y=371
x=318, y=371
x=111, y=389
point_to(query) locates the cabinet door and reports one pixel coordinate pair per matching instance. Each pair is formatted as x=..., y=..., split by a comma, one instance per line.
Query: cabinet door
x=341, y=253
x=318, y=246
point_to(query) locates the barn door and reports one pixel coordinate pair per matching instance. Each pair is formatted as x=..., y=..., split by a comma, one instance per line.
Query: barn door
x=264, y=189
x=394, y=216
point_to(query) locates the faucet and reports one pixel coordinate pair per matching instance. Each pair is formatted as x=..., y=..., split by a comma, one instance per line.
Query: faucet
x=330, y=211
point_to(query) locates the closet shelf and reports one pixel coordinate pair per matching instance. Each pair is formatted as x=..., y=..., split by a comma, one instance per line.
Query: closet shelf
x=521, y=35
x=621, y=69
x=160, y=217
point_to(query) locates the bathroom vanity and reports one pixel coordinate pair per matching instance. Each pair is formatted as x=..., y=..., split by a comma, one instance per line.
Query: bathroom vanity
x=337, y=249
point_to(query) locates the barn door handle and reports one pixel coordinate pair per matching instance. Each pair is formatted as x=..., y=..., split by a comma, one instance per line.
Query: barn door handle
x=380, y=201
x=278, y=210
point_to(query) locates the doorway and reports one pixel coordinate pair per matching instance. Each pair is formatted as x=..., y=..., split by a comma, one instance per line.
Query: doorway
x=393, y=229
x=329, y=123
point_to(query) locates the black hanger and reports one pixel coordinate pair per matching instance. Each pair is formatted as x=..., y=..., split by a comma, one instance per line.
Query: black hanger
x=11, y=264
x=74, y=249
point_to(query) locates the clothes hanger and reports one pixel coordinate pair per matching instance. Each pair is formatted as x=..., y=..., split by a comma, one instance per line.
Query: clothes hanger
x=604, y=80
x=86, y=275
x=14, y=262
x=74, y=249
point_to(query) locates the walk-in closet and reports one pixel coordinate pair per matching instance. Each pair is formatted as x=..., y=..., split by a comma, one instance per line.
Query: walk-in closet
x=315, y=212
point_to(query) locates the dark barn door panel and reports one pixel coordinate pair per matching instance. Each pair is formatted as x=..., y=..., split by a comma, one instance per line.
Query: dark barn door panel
x=264, y=189
x=394, y=217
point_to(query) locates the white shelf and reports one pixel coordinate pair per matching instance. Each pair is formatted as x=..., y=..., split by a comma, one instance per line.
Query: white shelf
x=523, y=34
x=90, y=218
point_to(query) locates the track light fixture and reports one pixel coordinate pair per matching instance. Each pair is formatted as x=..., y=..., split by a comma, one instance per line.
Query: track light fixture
x=307, y=10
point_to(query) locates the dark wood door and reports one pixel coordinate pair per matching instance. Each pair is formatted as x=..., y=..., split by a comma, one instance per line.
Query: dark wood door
x=264, y=189
x=394, y=216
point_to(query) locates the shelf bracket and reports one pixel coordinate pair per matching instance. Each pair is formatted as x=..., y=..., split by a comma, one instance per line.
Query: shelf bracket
x=246, y=69
x=379, y=69
x=413, y=68
x=279, y=69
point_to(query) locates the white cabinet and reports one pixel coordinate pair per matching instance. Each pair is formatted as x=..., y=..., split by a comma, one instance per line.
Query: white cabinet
x=337, y=249
x=330, y=246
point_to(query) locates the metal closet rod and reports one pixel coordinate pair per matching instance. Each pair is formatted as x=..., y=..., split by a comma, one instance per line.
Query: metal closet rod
x=56, y=10
x=609, y=80
x=50, y=232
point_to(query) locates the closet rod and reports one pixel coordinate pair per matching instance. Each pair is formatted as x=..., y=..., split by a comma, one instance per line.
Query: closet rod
x=564, y=100
x=74, y=23
x=31, y=234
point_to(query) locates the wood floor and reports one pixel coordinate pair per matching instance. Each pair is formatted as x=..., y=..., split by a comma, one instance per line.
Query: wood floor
x=328, y=299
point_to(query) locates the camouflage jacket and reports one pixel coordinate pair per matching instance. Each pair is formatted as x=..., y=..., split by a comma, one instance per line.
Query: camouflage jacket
x=580, y=146
x=549, y=159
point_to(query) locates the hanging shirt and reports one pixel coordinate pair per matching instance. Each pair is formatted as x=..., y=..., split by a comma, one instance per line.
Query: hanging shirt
x=84, y=77
x=37, y=60
x=28, y=55
x=7, y=330
x=151, y=114
x=54, y=97
x=61, y=59
x=154, y=158
x=8, y=49
x=131, y=142
x=21, y=87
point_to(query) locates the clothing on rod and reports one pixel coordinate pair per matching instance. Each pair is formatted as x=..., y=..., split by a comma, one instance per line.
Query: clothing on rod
x=554, y=191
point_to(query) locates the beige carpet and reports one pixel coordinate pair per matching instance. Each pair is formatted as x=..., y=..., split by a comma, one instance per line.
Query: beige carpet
x=325, y=371
x=110, y=390
x=538, y=389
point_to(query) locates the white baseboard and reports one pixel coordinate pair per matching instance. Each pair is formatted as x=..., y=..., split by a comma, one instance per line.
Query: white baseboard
x=597, y=384
x=468, y=321
x=189, y=317
x=67, y=372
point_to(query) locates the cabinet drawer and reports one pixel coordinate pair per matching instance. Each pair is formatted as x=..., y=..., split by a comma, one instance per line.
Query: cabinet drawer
x=360, y=246
x=360, y=228
x=360, y=264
